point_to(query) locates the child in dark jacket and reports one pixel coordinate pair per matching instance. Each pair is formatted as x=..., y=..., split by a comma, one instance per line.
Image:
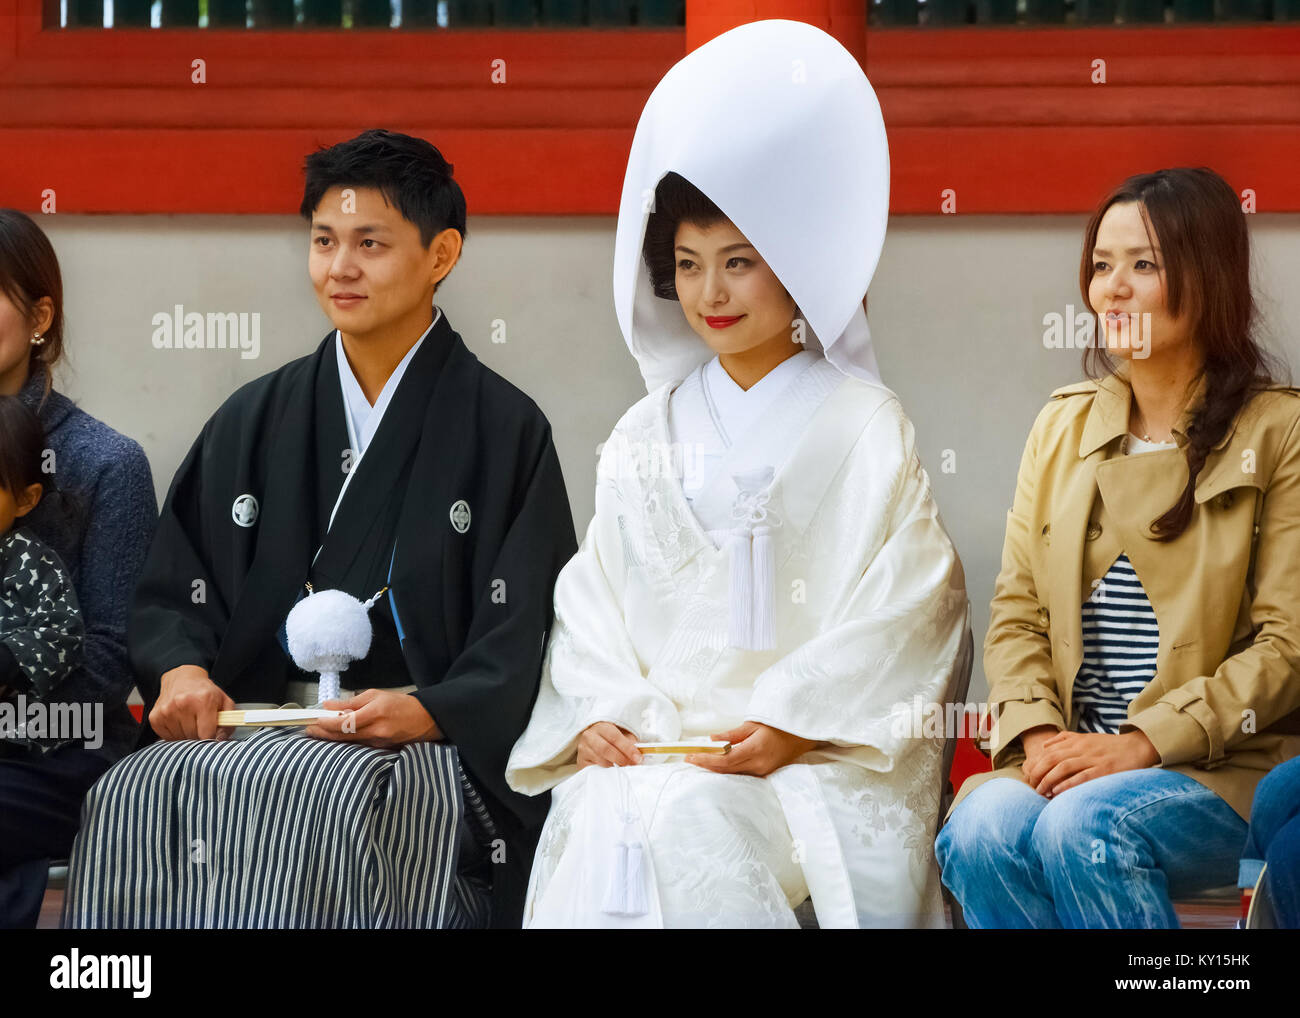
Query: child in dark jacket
x=41, y=629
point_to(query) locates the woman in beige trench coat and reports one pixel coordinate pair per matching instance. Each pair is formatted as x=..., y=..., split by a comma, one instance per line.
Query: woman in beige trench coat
x=1144, y=644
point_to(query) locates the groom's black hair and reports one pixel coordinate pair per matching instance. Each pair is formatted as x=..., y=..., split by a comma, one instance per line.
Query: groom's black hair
x=410, y=172
x=676, y=200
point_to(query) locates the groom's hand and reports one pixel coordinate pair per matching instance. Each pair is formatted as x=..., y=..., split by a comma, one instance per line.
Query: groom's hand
x=187, y=705
x=379, y=718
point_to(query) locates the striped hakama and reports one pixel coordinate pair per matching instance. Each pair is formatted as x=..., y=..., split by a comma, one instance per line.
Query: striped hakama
x=281, y=830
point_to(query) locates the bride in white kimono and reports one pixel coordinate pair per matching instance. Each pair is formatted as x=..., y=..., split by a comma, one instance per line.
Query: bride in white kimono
x=766, y=565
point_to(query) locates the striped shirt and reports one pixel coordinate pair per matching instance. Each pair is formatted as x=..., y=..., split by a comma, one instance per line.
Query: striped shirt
x=1120, y=641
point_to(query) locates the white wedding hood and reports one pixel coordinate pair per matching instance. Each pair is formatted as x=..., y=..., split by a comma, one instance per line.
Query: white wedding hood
x=776, y=123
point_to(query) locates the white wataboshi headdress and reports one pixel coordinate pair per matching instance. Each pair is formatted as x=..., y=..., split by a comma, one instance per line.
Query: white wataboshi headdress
x=776, y=123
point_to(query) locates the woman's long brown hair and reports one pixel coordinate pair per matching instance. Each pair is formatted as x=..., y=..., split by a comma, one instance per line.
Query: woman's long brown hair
x=29, y=270
x=1205, y=249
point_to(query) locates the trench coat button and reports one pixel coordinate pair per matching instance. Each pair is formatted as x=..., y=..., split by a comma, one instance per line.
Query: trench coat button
x=1094, y=531
x=1043, y=616
x=1225, y=500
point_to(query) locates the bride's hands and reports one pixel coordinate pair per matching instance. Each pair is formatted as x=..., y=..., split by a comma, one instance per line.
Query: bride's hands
x=605, y=744
x=756, y=749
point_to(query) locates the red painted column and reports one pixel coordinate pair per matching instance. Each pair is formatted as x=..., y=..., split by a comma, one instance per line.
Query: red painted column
x=846, y=20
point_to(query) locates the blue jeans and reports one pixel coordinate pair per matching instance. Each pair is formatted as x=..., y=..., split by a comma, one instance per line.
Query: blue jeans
x=1106, y=854
x=1275, y=836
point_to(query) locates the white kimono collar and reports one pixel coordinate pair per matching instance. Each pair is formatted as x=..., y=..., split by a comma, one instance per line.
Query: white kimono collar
x=735, y=407
x=362, y=418
x=776, y=123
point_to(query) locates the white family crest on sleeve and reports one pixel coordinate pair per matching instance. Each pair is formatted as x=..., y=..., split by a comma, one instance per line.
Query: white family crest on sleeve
x=244, y=510
x=460, y=515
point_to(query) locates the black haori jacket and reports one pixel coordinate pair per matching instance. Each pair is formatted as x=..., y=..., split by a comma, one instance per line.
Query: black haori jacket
x=464, y=471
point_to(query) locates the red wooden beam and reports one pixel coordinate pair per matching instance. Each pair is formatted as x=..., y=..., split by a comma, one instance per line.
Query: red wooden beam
x=1019, y=170
x=324, y=109
x=513, y=172
x=20, y=20
x=846, y=20
x=1007, y=118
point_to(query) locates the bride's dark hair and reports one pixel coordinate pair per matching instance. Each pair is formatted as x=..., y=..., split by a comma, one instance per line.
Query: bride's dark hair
x=676, y=200
x=1206, y=253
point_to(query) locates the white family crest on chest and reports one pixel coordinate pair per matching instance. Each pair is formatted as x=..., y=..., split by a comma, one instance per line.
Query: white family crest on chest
x=460, y=516
x=244, y=511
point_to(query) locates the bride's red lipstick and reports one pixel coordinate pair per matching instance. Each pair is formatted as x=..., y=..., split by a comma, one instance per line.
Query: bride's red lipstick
x=722, y=323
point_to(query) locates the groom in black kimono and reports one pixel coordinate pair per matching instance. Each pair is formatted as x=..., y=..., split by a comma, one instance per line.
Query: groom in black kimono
x=456, y=505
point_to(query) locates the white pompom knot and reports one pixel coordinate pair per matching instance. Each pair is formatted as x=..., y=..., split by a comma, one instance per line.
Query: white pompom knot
x=327, y=631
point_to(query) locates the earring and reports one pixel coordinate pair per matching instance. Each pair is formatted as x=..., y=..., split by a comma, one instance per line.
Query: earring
x=37, y=339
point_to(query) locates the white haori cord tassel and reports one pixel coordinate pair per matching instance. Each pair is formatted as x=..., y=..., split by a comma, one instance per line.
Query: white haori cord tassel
x=751, y=614
x=740, y=597
x=625, y=895
x=326, y=631
x=764, y=567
